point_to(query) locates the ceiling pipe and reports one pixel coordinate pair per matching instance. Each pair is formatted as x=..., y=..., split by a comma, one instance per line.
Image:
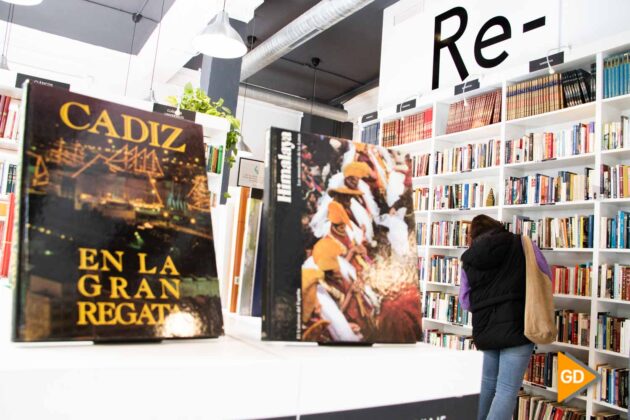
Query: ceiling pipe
x=317, y=19
x=292, y=102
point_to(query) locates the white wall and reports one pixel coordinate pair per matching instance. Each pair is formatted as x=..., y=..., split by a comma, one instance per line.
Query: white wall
x=587, y=26
x=257, y=118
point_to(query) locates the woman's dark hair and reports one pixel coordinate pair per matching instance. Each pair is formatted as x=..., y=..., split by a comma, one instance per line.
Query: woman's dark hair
x=483, y=224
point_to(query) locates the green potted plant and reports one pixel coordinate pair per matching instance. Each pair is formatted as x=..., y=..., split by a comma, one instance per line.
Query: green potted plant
x=196, y=100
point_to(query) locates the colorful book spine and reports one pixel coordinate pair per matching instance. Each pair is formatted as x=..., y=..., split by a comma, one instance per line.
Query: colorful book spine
x=421, y=233
x=613, y=333
x=477, y=111
x=445, y=307
x=615, y=181
x=573, y=327
x=461, y=196
x=420, y=165
x=408, y=129
x=370, y=133
x=445, y=269
x=614, y=281
x=615, y=135
x=542, y=370
x=576, y=232
x=574, y=281
x=421, y=199
x=544, y=189
x=468, y=157
x=615, y=231
x=451, y=233
x=448, y=340
x=617, y=75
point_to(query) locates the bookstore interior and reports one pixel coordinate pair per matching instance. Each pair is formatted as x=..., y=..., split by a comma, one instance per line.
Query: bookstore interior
x=305, y=178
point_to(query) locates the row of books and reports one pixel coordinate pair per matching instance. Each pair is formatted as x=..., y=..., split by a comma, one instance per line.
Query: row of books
x=614, y=281
x=468, y=157
x=421, y=233
x=420, y=165
x=408, y=129
x=463, y=196
x=478, y=111
x=421, y=269
x=613, y=333
x=450, y=233
x=444, y=269
x=573, y=327
x=8, y=185
x=543, y=370
x=617, y=75
x=445, y=307
x=448, y=340
x=575, y=280
x=615, y=231
x=614, y=181
x=9, y=117
x=421, y=198
x=370, y=133
x=556, y=232
x=537, y=147
x=549, y=93
x=214, y=159
x=613, y=385
x=615, y=134
x=533, y=407
x=545, y=189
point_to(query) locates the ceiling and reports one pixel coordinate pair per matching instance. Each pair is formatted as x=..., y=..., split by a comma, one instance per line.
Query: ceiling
x=349, y=51
x=104, y=23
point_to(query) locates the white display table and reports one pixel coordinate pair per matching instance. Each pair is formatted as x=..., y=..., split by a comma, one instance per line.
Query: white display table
x=236, y=376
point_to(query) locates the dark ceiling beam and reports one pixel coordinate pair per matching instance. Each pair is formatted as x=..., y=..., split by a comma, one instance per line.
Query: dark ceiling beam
x=345, y=97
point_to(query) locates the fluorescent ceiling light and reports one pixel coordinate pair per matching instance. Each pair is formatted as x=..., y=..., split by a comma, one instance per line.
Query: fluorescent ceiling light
x=24, y=2
x=219, y=39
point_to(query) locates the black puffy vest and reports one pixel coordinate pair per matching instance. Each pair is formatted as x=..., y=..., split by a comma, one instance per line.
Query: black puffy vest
x=495, y=268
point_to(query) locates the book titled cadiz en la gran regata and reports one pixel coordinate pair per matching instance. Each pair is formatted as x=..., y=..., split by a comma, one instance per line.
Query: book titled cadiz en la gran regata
x=114, y=239
x=341, y=248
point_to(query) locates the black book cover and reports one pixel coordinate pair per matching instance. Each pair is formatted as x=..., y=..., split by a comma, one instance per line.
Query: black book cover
x=114, y=235
x=341, y=249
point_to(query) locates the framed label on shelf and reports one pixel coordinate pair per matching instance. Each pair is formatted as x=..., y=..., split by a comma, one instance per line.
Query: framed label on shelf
x=251, y=173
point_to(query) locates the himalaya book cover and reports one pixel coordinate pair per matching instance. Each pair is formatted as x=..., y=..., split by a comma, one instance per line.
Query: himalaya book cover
x=341, y=249
x=114, y=233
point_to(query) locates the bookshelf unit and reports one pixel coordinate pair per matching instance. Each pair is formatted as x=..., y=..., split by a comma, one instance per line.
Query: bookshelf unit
x=598, y=111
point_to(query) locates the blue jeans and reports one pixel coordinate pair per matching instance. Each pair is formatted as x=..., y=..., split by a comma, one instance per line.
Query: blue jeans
x=501, y=379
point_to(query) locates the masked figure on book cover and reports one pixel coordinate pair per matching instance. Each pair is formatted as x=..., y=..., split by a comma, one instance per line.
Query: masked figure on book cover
x=359, y=275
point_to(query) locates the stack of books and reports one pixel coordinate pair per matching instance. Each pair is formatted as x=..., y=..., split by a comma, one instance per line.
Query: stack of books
x=556, y=232
x=537, y=147
x=474, y=112
x=614, y=181
x=461, y=196
x=614, y=281
x=615, y=231
x=468, y=157
x=573, y=327
x=369, y=134
x=545, y=189
x=451, y=233
x=613, y=333
x=615, y=134
x=444, y=269
x=420, y=165
x=549, y=93
x=445, y=307
x=575, y=281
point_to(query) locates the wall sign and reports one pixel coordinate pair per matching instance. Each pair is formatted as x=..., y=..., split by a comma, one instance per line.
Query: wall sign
x=467, y=86
x=369, y=117
x=406, y=105
x=21, y=78
x=541, y=63
x=251, y=173
x=172, y=111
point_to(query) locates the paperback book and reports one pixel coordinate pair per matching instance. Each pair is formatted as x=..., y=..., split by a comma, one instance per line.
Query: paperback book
x=341, y=255
x=113, y=233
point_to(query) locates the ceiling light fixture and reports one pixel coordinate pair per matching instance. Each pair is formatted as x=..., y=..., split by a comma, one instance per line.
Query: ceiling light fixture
x=220, y=39
x=24, y=2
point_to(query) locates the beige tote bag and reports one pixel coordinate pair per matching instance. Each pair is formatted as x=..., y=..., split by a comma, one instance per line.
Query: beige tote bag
x=540, y=327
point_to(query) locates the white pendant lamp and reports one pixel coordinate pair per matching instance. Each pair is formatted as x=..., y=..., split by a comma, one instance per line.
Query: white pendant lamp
x=220, y=39
x=24, y=2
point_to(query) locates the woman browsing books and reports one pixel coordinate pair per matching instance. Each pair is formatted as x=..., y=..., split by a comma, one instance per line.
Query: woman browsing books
x=493, y=289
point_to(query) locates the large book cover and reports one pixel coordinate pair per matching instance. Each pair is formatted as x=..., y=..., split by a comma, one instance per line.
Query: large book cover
x=114, y=233
x=341, y=248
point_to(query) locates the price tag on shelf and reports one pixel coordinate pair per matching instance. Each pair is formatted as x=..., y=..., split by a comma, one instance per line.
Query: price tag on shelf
x=172, y=111
x=369, y=117
x=541, y=63
x=406, y=105
x=21, y=78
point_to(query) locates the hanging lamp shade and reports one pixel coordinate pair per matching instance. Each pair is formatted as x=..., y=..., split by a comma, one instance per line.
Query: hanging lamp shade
x=24, y=2
x=220, y=39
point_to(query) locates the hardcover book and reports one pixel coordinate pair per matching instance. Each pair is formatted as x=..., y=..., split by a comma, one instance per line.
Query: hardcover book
x=114, y=240
x=341, y=255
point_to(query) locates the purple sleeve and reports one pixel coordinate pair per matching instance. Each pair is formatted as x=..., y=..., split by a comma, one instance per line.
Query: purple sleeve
x=464, y=290
x=541, y=261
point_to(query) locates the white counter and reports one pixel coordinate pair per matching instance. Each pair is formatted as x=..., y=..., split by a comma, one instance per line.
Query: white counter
x=236, y=376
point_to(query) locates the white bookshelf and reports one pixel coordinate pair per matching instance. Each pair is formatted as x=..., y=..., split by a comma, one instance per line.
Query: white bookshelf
x=600, y=111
